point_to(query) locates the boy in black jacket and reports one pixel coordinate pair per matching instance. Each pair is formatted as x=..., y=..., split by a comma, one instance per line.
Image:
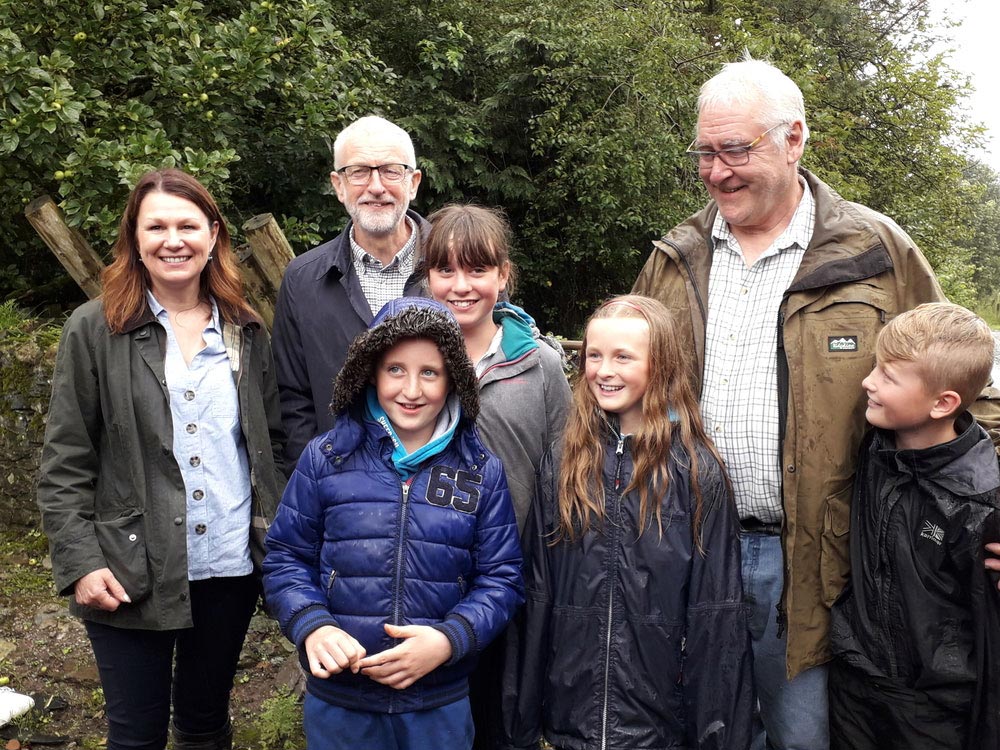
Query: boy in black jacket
x=916, y=633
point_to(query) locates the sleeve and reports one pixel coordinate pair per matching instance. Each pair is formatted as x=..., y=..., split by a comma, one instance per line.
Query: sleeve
x=496, y=589
x=646, y=282
x=985, y=724
x=717, y=671
x=298, y=413
x=292, y=586
x=525, y=666
x=272, y=411
x=557, y=397
x=70, y=459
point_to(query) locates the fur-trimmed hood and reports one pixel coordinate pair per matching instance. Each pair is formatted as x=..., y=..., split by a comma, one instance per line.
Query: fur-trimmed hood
x=407, y=318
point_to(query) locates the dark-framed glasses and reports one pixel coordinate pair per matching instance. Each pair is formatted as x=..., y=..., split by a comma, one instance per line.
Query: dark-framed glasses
x=734, y=156
x=360, y=174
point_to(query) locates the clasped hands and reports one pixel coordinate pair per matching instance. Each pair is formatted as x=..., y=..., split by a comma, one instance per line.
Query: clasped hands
x=331, y=650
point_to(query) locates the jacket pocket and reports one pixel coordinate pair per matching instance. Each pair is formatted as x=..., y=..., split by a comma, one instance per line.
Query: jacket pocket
x=835, y=553
x=123, y=542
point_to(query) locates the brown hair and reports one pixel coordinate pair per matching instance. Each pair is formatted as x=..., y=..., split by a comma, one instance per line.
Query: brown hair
x=669, y=408
x=951, y=347
x=474, y=235
x=126, y=280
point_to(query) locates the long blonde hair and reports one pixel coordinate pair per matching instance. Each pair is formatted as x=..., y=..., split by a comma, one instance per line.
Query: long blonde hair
x=669, y=406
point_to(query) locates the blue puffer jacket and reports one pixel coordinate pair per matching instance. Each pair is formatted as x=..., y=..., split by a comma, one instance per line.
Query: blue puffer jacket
x=354, y=547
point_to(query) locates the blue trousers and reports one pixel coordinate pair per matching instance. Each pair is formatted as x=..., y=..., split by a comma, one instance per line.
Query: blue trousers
x=329, y=727
x=142, y=670
x=794, y=713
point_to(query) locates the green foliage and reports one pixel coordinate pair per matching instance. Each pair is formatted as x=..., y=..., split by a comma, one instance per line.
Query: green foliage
x=17, y=326
x=95, y=92
x=280, y=723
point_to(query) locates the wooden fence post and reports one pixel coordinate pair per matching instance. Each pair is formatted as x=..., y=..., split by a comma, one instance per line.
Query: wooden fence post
x=271, y=251
x=257, y=287
x=67, y=244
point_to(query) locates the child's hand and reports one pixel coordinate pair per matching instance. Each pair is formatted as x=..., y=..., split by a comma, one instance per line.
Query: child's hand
x=330, y=650
x=423, y=650
x=993, y=563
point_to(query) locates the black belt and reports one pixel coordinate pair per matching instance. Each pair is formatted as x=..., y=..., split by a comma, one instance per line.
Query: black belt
x=756, y=526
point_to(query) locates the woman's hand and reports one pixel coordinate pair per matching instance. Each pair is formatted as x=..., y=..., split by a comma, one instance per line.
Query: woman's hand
x=100, y=590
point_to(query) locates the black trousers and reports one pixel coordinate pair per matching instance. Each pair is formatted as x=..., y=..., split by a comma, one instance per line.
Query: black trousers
x=144, y=671
x=868, y=713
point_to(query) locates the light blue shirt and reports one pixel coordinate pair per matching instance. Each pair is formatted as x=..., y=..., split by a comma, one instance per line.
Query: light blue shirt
x=210, y=451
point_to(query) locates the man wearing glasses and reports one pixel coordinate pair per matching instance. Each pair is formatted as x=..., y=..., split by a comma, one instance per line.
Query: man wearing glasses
x=781, y=287
x=331, y=293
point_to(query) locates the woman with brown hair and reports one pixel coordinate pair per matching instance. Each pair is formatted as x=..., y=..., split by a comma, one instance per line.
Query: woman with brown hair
x=159, y=466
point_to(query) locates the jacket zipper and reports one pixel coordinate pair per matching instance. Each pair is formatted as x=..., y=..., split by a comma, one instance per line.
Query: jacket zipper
x=404, y=507
x=330, y=580
x=612, y=574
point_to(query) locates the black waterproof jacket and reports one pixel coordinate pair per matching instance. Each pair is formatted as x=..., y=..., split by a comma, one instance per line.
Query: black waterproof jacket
x=631, y=640
x=920, y=608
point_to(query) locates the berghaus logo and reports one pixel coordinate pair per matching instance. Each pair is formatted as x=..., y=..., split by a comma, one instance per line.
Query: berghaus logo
x=842, y=343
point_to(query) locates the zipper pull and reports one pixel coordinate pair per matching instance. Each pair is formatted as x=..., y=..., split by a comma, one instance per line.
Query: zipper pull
x=618, y=469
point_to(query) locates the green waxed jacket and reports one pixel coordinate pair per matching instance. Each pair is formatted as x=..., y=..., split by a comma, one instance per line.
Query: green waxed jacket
x=859, y=271
x=110, y=490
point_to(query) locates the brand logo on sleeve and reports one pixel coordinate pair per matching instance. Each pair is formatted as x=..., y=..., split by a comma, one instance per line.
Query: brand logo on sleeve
x=842, y=343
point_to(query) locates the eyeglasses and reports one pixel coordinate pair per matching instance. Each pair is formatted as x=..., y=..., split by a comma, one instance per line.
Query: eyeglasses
x=735, y=156
x=360, y=174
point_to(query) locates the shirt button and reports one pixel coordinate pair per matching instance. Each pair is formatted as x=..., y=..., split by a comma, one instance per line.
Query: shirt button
x=724, y=381
x=191, y=428
x=195, y=461
x=200, y=529
x=744, y=290
x=198, y=495
x=178, y=521
x=189, y=395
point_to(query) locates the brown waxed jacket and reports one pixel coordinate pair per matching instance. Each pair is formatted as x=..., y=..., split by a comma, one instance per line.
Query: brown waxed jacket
x=859, y=271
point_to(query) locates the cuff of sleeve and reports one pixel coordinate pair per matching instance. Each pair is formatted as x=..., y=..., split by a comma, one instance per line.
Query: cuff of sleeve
x=459, y=633
x=309, y=619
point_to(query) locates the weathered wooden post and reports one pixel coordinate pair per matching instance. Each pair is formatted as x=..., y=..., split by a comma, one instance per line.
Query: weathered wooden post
x=67, y=244
x=264, y=262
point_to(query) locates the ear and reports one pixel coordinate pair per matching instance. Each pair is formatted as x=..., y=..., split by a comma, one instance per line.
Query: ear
x=337, y=181
x=946, y=405
x=795, y=145
x=415, y=183
x=504, y=272
x=215, y=236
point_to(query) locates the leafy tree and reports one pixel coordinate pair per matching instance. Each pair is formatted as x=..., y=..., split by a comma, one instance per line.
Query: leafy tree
x=95, y=92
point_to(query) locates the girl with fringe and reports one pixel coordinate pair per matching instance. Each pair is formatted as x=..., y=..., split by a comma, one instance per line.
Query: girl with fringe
x=634, y=633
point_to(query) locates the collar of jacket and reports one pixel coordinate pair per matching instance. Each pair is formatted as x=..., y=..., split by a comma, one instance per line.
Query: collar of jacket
x=965, y=466
x=336, y=255
x=351, y=428
x=844, y=246
x=145, y=317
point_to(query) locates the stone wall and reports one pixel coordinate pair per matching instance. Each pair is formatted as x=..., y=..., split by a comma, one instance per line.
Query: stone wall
x=26, y=363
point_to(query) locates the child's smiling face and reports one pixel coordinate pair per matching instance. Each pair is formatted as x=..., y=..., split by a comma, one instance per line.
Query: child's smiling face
x=617, y=367
x=412, y=386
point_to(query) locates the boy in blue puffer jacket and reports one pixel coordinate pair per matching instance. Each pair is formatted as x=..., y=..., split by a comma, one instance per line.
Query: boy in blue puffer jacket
x=394, y=556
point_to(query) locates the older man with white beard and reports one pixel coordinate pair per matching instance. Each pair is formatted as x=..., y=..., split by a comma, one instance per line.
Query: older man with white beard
x=331, y=293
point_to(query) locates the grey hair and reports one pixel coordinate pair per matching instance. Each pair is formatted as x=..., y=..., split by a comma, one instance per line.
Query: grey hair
x=760, y=87
x=377, y=127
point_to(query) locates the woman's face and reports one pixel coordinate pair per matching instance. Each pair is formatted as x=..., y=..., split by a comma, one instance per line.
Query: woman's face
x=470, y=292
x=175, y=239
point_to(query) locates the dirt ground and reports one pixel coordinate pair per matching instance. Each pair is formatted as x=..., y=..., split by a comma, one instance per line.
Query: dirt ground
x=44, y=652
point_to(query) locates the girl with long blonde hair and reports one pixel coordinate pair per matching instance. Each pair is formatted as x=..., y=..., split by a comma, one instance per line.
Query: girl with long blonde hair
x=634, y=633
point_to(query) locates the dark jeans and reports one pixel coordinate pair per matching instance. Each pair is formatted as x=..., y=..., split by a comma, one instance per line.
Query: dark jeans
x=139, y=673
